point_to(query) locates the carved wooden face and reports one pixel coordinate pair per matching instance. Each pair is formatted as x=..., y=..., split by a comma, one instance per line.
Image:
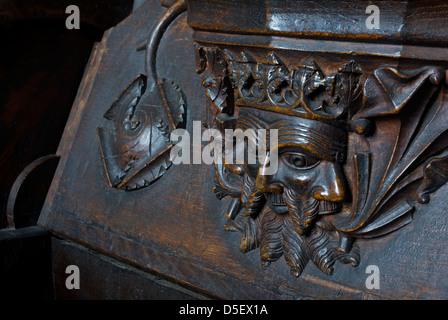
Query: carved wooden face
x=310, y=156
x=397, y=146
x=307, y=176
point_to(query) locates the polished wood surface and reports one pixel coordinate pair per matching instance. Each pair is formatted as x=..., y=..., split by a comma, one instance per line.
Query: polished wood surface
x=176, y=226
x=410, y=22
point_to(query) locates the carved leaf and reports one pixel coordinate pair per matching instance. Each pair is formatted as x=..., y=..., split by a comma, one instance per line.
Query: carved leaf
x=402, y=106
x=347, y=86
x=211, y=64
x=435, y=174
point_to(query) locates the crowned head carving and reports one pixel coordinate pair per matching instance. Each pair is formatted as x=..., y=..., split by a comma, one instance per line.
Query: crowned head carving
x=310, y=112
x=308, y=209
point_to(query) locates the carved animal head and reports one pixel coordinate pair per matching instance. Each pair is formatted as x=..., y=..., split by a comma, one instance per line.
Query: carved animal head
x=135, y=144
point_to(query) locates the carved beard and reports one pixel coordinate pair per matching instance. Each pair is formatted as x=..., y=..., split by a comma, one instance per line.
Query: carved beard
x=252, y=199
x=297, y=234
x=302, y=212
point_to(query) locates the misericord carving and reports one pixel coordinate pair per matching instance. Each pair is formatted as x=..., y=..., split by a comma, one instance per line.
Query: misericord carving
x=354, y=156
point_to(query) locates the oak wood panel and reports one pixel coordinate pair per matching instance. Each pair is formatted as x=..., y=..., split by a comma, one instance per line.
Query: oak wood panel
x=417, y=22
x=174, y=227
x=101, y=277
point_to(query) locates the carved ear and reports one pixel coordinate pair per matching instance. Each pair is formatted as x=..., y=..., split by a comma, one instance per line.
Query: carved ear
x=388, y=91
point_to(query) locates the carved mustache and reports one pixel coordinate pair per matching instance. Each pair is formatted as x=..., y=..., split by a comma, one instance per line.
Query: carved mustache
x=291, y=233
x=329, y=207
x=302, y=212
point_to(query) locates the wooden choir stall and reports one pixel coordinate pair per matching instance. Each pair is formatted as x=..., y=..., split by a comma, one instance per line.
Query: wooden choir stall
x=343, y=106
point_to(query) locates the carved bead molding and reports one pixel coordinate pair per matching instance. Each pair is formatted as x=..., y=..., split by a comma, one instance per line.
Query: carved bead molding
x=355, y=156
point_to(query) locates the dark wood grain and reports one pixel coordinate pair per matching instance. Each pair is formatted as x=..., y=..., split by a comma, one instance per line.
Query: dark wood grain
x=107, y=279
x=401, y=21
x=175, y=226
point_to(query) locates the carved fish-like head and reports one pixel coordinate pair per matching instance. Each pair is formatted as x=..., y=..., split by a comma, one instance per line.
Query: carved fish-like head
x=135, y=143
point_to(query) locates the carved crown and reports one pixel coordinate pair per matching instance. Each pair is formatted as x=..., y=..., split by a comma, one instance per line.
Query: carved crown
x=305, y=92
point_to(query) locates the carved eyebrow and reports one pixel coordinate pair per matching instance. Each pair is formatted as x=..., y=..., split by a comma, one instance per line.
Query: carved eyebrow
x=247, y=124
x=306, y=140
x=311, y=141
x=323, y=136
x=298, y=149
x=312, y=134
x=308, y=148
x=249, y=121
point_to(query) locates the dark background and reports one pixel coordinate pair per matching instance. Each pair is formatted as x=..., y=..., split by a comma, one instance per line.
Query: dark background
x=41, y=66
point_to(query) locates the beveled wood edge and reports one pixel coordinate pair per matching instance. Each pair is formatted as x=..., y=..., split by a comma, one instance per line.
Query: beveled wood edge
x=74, y=121
x=157, y=261
x=411, y=22
x=148, y=278
x=322, y=46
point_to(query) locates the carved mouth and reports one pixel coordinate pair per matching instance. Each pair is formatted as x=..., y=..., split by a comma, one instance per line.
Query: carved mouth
x=329, y=207
x=277, y=203
x=275, y=198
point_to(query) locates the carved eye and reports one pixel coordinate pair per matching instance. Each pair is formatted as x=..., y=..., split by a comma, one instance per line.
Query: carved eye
x=132, y=125
x=300, y=161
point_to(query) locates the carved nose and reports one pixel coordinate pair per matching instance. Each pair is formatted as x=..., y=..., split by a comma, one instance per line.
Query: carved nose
x=264, y=182
x=264, y=185
x=330, y=184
